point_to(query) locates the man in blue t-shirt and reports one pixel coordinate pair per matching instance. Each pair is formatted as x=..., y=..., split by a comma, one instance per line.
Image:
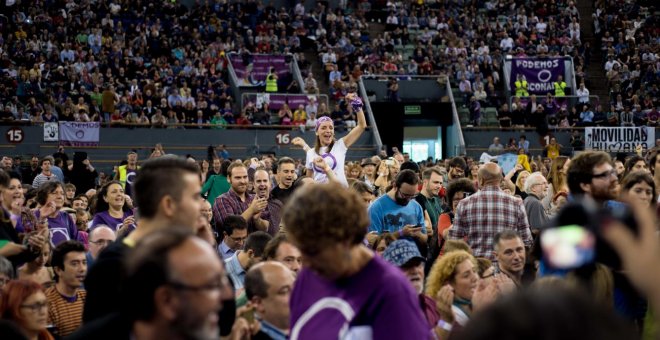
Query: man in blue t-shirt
x=397, y=212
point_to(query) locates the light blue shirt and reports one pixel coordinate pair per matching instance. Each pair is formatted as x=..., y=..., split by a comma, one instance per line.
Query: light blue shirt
x=57, y=172
x=388, y=216
x=225, y=251
x=272, y=331
x=235, y=271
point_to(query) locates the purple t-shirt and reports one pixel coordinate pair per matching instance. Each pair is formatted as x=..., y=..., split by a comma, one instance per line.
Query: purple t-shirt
x=376, y=303
x=61, y=228
x=104, y=217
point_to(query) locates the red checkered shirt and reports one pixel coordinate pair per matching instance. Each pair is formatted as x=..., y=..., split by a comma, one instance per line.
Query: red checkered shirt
x=479, y=217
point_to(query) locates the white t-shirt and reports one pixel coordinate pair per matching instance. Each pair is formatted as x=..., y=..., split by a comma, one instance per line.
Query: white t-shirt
x=335, y=159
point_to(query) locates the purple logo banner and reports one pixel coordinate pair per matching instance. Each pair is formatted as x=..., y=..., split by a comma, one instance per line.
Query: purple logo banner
x=539, y=73
x=255, y=72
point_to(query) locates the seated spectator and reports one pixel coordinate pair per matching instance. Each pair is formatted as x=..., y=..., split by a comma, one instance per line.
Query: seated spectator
x=285, y=115
x=299, y=116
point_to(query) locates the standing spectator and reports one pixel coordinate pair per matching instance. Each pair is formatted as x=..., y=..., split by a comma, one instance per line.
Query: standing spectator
x=238, y=201
x=171, y=206
x=268, y=287
x=24, y=304
x=510, y=253
x=126, y=173
x=285, y=176
x=281, y=250
x=405, y=255
x=172, y=290
x=60, y=225
x=536, y=187
x=475, y=111
x=484, y=214
x=234, y=234
x=67, y=297
x=112, y=209
x=583, y=94
x=341, y=268
x=272, y=213
x=46, y=174
x=239, y=263
x=83, y=174
x=559, y=86
x=99, y=239
x=397, y=211
x=523, y=143
x=109, y=98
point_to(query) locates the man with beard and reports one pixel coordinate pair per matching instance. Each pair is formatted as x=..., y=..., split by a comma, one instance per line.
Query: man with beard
x=271, y=215
x=237, y=201
x=405, y=255
x=536, y=187
x=172, y=290
x=397, y=212
x=510, y=253
x=285, y=176
x=457, y=167
x=29, y=173
x=591, y=174
x=488, y=212
x=432, y=183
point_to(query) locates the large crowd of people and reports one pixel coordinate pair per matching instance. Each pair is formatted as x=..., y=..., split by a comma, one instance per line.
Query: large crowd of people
x=151, y=63
x=283, y=249
x=280, y=248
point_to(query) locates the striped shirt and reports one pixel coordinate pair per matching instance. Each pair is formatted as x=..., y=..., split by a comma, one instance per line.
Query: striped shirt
x=41, y=179
x=66, y=316
x=479, y=217
x=235, y=271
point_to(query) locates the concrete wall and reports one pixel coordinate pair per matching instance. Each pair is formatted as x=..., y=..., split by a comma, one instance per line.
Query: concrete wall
x=116, y=142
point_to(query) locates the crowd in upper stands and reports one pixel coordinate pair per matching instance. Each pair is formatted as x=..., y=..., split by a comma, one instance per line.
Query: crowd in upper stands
x=155, y=63
x=628, y=40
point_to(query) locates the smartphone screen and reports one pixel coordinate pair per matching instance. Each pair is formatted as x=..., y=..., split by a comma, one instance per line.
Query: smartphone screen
x=569, y=246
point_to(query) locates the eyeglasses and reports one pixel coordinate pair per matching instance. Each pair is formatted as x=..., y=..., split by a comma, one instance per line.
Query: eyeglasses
x=605, y=174
x=35, y=307
x=407, y=196
x=238, y=239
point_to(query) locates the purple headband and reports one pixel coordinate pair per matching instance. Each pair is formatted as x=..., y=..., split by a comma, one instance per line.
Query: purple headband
x=323, y=120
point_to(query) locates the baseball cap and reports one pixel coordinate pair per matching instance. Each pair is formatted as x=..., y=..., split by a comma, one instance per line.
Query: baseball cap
x=401, y=252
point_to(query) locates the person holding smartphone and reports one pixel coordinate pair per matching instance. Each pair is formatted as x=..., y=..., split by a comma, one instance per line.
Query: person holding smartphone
x=397, y=211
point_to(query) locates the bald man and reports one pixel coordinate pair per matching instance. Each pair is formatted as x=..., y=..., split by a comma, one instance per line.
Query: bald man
x=99, y=238
x=482, y=215
x=268, y=286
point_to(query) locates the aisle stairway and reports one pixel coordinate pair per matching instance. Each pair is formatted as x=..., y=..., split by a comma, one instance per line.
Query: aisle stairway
x=595, y=72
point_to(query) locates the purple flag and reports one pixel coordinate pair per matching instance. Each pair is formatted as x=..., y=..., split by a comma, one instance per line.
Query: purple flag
x=540, y=73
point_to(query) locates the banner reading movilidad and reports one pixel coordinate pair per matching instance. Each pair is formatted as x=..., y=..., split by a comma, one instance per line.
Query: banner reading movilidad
x=619, y=139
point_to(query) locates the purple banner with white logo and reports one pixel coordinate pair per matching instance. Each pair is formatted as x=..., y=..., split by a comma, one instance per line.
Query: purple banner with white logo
x=539, y=73
x=255, y=71
x=79, y=134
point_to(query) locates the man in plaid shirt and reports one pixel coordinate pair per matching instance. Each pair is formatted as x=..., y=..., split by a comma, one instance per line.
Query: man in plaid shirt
x=480, y=216
x=237, y=201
